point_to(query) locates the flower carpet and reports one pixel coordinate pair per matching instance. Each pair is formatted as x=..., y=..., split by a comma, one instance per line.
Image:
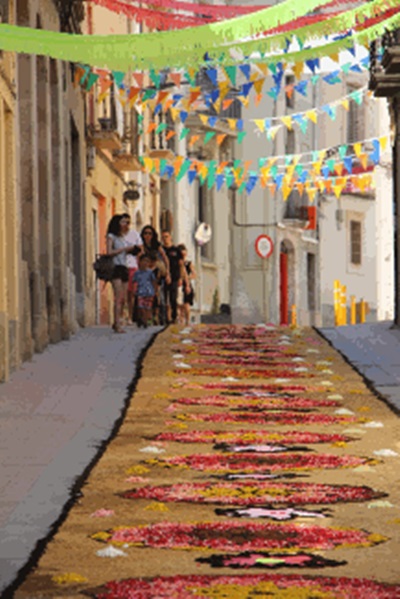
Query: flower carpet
x=252, y=461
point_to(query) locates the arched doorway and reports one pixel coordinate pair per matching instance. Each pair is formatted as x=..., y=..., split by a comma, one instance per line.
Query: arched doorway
x=286, y=280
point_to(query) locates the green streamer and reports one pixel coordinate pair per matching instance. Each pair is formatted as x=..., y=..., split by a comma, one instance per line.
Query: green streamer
x=186, y=47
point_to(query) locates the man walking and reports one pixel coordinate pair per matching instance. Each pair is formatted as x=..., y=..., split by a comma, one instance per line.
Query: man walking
x=178, y=274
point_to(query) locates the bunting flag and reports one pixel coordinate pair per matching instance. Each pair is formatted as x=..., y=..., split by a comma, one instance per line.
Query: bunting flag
x=189, y=46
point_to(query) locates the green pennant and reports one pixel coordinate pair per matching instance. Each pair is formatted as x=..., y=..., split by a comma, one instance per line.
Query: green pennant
x=274, y=170
x=304, y=125
x=140, y=118
x=261, y=162
x=242, y=188
x=331, y=164
x=184, y=133
x=148, y=94
x=208, y=136
x=163, y=164
x=236, y=163
x=315, y=79
x=192, y=80
x=91, y=80
x=346, y=67
x=288, y=159
x=155, y=77
x=228, y=179
x=118, y=77
x=343, y=151
x=183, y=170
x=211, y=176
x=357, y=96
x=231, y=72
x=161, y=127
x=241, y=136
x=315, y=156
x=299, y=169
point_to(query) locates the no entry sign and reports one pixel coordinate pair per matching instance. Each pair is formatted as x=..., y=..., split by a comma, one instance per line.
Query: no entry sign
x=264, y=246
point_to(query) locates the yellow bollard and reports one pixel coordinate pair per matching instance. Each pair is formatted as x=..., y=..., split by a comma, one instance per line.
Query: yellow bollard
x=362, y=311
x=353, y=318
x=336, y=289
x=294, y=315
x=343, y=305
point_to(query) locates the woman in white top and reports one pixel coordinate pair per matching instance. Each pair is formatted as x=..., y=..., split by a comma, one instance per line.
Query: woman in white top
x=117, y=247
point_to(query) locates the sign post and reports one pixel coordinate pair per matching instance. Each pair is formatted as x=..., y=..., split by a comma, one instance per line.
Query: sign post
x=264, y=247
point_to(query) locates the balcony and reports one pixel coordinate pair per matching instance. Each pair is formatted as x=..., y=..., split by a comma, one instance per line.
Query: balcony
x=385, y=73
x=125, y=161
x=106, y=137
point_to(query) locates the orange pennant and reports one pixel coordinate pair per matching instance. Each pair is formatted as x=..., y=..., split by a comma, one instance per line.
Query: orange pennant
x=193, y=140
x=151, y=127
x=177, y=164
x=176, y=78
x=170, y=134
x=227, y=103
x=258, y=99
x=194, y=94
x=139, y=78
x=220, y=138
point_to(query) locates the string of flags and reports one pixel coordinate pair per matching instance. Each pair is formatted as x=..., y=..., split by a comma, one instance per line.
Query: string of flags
x=323, y=172
x=132, y=90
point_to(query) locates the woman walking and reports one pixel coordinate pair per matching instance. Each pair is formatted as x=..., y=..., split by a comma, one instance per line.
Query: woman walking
x=188, y=295
x=154, y=250
x=117, y=247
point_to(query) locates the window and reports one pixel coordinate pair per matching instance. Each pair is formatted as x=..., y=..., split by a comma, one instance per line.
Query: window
x=355, y=242
x=311, y=281
x=355, y=119
x=289, y=81
x=290, y=145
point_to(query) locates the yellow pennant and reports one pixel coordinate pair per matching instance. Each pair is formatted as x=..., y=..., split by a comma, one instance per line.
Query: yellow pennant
x=263, y=67
x=311, y=193
x=148, y=164
x=322, y=154
x=174, y=113
x=317, y=167
x=345, y=103
x=286, y=189
x=287, y=121
x=204, y=119
x=312, y=115
x=224, y=88
x=383, y=143
x=273, y=131
x=337, y=190
x=258, y=85
x=334, y=57
x=260, y=124
x=217, y=105
x=357, y=149
x=298, y=69
x=232, y=123
x=338, y=168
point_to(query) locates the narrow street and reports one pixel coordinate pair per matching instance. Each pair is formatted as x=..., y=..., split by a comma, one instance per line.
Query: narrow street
x=252, y=461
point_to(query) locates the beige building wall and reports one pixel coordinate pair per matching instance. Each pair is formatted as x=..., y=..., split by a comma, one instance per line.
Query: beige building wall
x=10, y=301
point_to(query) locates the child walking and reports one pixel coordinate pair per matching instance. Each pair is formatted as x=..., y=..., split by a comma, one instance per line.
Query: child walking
x=145, y=290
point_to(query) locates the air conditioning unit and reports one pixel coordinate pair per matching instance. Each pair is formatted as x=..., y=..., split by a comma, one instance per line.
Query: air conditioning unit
x=91, y=158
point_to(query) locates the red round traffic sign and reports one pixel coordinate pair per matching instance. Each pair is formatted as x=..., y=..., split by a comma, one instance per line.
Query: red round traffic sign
x=264, y=246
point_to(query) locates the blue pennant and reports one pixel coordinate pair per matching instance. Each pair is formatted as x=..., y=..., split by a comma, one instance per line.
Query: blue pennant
x=191, y=176
x=348, y=163
x=212, y=120
x=325, y=171
x=220, y=181
x=213, y=75
x=301, y=87
x=246, y=70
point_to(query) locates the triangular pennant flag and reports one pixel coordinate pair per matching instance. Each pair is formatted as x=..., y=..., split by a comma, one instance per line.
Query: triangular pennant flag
x=148, y=164
x=342, y=151
x=223, y=89
x=357, y=149
x=212, y=74
x=139, y=77
x=184, y=169
x=93, y=77
x=287, y=121
x=311, y=191
x=80, y=75
x=338, y=168
x=191, y=176
x=263, y=67
x=300, y=188
x=194, y=94
x=232, y=124
x=241, y=135
x=118, y=77
x=220, y=138
x=357, y=96
x=383, y=142
x=227, y=103
x=219, y=181
x=212, y=121
x=176, y=78
x=183, y=116
x=328, y=185
x=337, y=190
x=161, y=127
x=260, y=123
x=297, y=69
x=217, y=105
x=286, y=189
x=312, y=115
x=258, y=85
x=105, y=86
x=246, y=70
x=174, y=113
x=178, y=163
x=184, y=132
x=191, y=75
x=151, y=127
x=364, y=160
x=231, y=73
x=193, y=140
x=163, y=166
x=203, y=118
x=301, y=87
x=246, y=87
x=346, y=67
x=348, y=164
x=345, y=103
x=208, y=136
x=251, y=183
x=258, y=99
x=272, y=188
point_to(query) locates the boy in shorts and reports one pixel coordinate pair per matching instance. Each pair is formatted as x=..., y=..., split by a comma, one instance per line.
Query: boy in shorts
x=145, y=290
